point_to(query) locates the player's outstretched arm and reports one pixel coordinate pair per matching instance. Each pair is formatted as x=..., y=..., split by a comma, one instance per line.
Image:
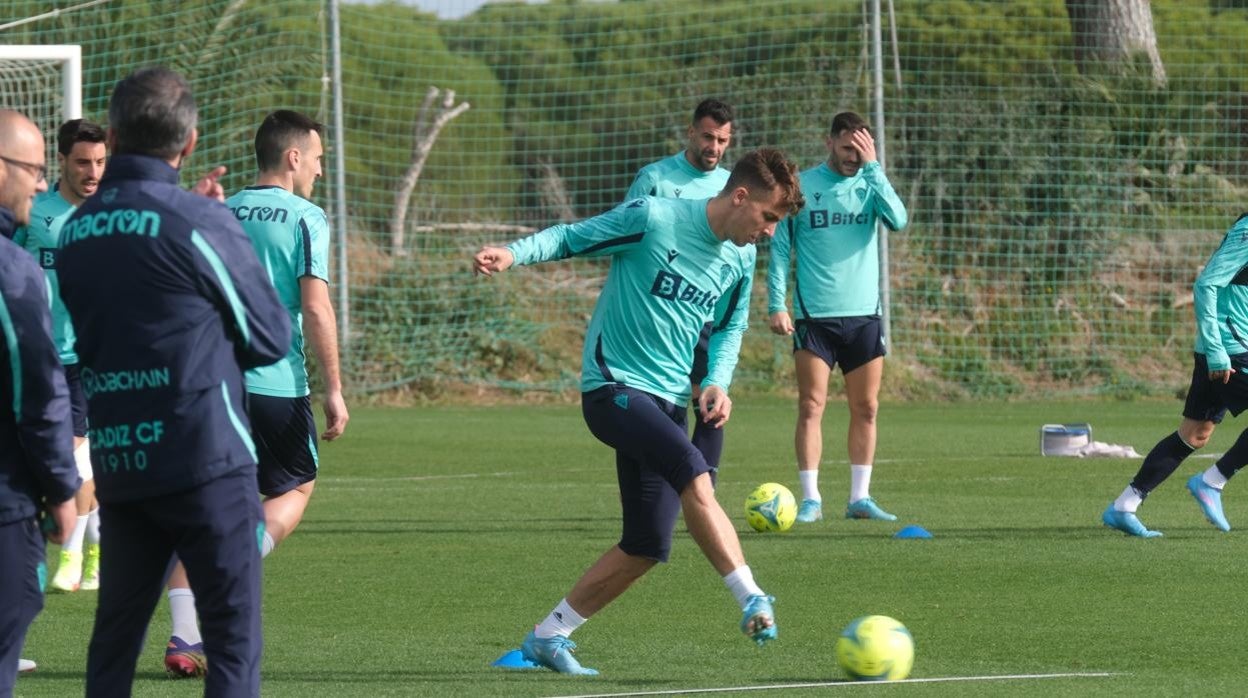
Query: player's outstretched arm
x=491, y=260
x=320, y=326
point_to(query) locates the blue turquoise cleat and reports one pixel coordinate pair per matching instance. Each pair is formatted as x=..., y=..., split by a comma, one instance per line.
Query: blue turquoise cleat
x=866, y=508
x=554, y=653
x=1210, y=500
x=1126, y=522
x=754, y=619
x=809, y=511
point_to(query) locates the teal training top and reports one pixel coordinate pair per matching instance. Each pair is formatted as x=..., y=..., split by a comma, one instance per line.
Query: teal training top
x=291, y=238
x=675, y=178
x=1221, y=300
x=42, y=239
x=669, y=276
x=834, y=240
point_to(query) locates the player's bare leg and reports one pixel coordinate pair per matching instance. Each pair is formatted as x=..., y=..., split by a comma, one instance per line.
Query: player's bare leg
x=812, y=398
x=283, y=513
x=714, y=533
x=862, y=391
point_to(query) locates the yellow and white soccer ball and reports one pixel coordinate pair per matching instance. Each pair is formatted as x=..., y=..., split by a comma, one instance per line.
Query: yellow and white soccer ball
x=875, y=648
x=770, y=507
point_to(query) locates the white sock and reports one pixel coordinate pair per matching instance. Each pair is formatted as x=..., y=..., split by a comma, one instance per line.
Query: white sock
x=859, y=482
x=561, y=621
x=73, y=544
x=267, y=545
x=741, y=583
x=810, y=484
x=1214, y=478
x=182, y=613
x=1129, y=501
x=93, y=526
x=82, y=460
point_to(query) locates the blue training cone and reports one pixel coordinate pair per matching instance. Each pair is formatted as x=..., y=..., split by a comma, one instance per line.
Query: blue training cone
x=913, y=531
x=514, y=659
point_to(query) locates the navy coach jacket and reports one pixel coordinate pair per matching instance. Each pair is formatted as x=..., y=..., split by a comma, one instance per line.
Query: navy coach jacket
x=170, y=305
x=36, y=436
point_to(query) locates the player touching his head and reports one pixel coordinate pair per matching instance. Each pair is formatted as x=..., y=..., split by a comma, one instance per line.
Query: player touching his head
x=291, y=238
x=836, y=301
x=695, y=173
x=675, y=265
x=80, y=156
x=1219, y=383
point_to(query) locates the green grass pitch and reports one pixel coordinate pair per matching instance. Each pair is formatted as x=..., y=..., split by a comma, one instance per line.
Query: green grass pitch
x=438, y=536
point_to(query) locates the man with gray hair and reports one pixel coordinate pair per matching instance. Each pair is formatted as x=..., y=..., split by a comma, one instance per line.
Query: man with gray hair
x=170, y=306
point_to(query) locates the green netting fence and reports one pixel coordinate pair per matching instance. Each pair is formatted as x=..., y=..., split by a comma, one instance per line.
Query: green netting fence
x=1067, y=173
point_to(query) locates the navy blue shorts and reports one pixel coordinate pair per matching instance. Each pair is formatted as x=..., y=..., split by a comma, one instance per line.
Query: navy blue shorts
x=848, y=341
x=1209, y=401
x=285, y=435
x=701, y=362
x=77, y=399
x=654, y=462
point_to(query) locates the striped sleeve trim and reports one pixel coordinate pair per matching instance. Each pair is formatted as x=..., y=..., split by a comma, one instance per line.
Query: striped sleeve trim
x=15, y=359
x=307, y=247
x=613, y=242
x=243, y=433
x=227, y=284
x=733, y=301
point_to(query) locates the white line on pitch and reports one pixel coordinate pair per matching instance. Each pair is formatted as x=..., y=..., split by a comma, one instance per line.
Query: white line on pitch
x=841, y=684
x=450, y=476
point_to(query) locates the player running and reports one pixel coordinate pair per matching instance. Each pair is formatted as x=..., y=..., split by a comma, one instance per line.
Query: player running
x=291, y=237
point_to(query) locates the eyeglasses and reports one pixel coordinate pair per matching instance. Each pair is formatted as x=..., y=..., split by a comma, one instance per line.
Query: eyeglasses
x=39, y=172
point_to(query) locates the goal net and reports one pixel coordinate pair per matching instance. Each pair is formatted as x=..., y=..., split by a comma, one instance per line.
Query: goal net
x=45, y=84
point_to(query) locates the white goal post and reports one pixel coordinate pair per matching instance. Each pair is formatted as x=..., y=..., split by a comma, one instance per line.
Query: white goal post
x=44, y=83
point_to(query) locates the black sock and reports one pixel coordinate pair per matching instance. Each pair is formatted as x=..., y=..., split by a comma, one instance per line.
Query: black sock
x=709, y=441
x=1163, y=460
x=1235, y=458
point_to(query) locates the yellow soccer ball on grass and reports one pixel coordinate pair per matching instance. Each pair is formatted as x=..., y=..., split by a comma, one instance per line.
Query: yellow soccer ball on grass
x=770, y=507
x=875, y=648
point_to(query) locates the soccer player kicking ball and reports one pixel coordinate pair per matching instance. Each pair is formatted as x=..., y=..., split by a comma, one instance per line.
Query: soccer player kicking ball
x=675, y=265
x=291, y=237
x=1218, y=384
x=836, y=301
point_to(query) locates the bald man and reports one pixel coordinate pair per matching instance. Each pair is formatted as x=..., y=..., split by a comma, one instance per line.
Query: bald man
x=37, y=468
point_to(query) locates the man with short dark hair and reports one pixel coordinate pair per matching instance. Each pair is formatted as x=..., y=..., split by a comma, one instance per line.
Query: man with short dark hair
x=696, y=172
x=675, y=264
x=170, y=306
x=80, y=156
x=291, y=236
x=36, y=444
x=837, y=305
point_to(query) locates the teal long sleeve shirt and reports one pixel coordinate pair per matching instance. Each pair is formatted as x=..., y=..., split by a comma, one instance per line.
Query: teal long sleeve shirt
x=835, y=244
x=669, y=276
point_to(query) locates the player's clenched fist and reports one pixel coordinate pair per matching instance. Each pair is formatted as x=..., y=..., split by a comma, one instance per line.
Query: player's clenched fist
x=492, y=259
